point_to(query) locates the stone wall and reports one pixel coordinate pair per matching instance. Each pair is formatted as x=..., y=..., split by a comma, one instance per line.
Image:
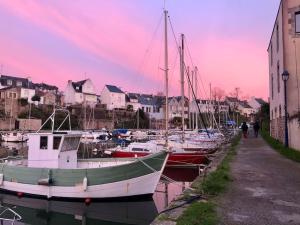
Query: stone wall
x=26, y=124
x=277, y=128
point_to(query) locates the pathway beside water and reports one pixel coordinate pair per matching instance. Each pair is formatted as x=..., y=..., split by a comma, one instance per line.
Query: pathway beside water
x=265, y=189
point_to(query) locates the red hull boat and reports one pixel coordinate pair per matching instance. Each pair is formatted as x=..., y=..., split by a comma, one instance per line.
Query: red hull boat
x=175, y=159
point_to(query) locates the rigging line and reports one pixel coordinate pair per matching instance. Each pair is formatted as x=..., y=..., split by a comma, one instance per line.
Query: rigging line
x=202, y=82
x=159, y=58
x=189, y=80
x=150, y=44
x=194, y=95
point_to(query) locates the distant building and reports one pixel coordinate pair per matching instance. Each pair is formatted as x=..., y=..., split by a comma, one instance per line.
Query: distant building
x=175, y=107
x=256, y=103
x=45, y=88
x=113, y=97
x=9, y=101
x=245, y=109
x=232, y=102
x=284, y=53
x=132, y=100
x=81, y=92
x=24, y=85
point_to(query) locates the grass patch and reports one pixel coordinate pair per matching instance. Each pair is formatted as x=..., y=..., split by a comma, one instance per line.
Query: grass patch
x=199, y=213
x=204, y=213
x=279, y=147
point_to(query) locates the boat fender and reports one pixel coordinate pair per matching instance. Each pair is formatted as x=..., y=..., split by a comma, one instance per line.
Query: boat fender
x=1, y=179
x=84, y=183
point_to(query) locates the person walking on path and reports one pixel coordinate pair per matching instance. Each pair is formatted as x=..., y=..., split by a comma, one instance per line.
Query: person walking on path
x=256, y=128
x=245, y=129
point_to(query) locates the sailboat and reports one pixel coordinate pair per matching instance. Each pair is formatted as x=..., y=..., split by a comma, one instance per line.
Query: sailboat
x=178, y=156
x=52, y=169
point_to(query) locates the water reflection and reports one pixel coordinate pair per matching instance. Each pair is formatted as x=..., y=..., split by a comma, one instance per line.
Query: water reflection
x=38, y=211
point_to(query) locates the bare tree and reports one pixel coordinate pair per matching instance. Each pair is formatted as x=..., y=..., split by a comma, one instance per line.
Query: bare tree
x=218, y=94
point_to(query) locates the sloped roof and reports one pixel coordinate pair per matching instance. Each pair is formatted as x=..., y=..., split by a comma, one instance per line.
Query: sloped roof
x=78, y=85
x=26, y=83
x=260, y=101
x=45, y=86
x=231, y=99
x=114, y=89
x=245, y=104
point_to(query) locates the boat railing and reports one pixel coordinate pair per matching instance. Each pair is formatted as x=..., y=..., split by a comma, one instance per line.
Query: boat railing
x=4, y=213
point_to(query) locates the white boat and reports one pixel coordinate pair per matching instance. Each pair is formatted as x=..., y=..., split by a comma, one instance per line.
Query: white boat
x=14, y=136
x=52, y=170
x=94, y=136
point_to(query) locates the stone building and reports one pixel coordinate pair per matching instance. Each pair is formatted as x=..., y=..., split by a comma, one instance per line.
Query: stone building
x=283, y=51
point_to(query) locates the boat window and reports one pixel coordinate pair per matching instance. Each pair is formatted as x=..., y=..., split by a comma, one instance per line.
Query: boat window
x=44, y=142
x=70, y=143
x=137, y=149
x=140, y=150
x=56, y=142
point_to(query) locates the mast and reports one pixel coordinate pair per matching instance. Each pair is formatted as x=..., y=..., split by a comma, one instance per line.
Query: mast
x=210, y=106
x=166, y=77
x=196, y=90
x=193, y=121
x=190, y=102
x=181, y=51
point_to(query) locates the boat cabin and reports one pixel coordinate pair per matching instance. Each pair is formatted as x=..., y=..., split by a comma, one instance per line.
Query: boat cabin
x=53, y=150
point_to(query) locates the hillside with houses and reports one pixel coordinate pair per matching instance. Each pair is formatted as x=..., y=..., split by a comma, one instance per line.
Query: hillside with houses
x=25, y=105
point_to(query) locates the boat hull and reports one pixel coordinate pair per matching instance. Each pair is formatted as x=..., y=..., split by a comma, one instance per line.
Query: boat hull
x=175, y=159
x=139, y=177
x=144, y=185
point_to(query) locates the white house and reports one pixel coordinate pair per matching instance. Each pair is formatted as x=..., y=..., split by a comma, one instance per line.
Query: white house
x=256, y=103
x=245, y=109
x=132, y=99
x=81, y=92
x=113, y=97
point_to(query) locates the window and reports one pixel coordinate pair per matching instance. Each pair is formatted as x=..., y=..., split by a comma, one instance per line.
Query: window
x=279, y=110
x=278, y=77
x=19, y=83
x=297, y=22
x=14, y=95
x=272, y=86
x=44, y=142
x=9, y=82
x=272, y=114
x=70, y=143
x=56, y=142
x=271, y=54
x=277, y=37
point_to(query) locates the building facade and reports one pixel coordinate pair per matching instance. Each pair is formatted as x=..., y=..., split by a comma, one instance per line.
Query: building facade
x=283, y=52
x=113, y=97
x=81, y=92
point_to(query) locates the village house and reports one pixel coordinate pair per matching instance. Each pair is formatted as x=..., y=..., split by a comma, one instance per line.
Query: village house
x=113, y=97
x=24, y=85
x=233, y=103
x=10, y=97
x=245, y=109
x=256, y=103
x=175, y=107
x=81, y=92
x=132, y=101
x=282, y=50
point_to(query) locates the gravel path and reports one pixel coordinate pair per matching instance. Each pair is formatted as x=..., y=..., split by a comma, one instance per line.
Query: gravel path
x=265, y=189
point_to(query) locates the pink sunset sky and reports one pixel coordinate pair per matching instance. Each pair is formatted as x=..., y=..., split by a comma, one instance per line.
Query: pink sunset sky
x=120, y=42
